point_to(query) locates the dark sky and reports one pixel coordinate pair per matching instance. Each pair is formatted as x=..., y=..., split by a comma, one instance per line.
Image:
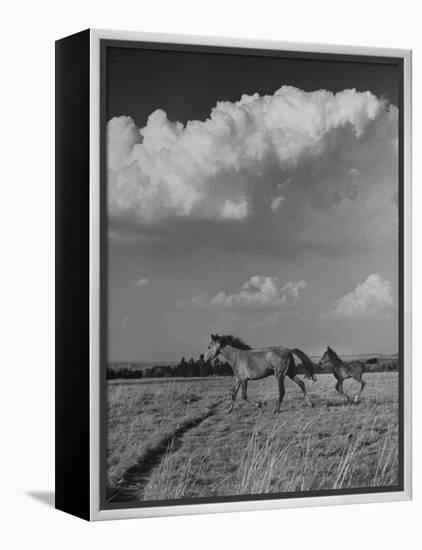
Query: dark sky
x=188, y=84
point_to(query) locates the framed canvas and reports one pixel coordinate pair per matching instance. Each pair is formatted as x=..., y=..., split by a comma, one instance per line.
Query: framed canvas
x=233, y=286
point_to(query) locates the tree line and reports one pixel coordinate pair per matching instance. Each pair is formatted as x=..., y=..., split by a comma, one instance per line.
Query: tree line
x=198, y=368
x=184, y=369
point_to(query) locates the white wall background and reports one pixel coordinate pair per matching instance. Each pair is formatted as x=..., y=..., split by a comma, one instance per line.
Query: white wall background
x=27, y=271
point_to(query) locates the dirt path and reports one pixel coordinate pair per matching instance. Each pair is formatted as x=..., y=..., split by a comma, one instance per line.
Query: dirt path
x=132, y=485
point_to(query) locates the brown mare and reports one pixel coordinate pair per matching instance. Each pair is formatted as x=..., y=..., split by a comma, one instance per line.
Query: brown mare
x=254, y=364
x=342, y=371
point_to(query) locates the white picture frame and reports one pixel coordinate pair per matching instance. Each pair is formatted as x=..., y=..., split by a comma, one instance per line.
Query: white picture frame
x=94, y=509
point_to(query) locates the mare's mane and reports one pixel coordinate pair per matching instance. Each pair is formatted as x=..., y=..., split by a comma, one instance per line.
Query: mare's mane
x=230, y=340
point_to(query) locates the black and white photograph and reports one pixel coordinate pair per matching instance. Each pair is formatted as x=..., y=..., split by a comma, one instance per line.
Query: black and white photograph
x=251, y=272
x=210, y=276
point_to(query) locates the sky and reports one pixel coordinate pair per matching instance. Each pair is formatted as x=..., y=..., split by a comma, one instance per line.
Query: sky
x=250, y=195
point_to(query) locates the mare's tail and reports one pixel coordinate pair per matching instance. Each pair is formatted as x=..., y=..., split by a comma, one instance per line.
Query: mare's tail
x=306, y=362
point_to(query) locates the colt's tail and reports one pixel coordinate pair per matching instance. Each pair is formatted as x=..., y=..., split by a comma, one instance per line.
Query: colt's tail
x=306, y=362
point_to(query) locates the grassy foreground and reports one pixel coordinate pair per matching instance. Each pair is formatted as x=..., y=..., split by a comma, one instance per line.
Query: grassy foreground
x=175, y=439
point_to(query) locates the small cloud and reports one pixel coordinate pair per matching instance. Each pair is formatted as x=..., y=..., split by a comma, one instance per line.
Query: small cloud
x=234, y=210
x=141, y=282
x=368, y=299
x=354, y=172
x=276, y=203
x=293, y=289
x=259, y=292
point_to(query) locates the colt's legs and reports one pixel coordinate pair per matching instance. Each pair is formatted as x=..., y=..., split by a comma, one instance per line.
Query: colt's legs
x=302, y=386
x=339, y=388
x=281, y=391
x=236, y=386
x=245, y=397
x=362, y=385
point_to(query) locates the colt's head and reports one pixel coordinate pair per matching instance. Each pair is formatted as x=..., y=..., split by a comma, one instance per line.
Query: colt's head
x=213, y=348
x=326, y=358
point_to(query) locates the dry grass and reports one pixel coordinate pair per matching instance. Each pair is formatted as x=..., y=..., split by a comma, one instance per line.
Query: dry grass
x=141, y=414
x=331, y=446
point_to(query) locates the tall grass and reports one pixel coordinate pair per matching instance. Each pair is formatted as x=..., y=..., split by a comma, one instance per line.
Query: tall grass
x=272, y=464
x=332, y=446
x=142, y=415
x=172, y=482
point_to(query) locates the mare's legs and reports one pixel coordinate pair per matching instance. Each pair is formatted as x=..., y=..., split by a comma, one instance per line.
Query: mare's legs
x=236, y=386
x=302, y=386
x=245, y=397
x=281, y=391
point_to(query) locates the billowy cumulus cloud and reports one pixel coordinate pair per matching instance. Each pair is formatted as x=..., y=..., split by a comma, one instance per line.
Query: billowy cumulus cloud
x=143, y=281
x=369, y=299
x=166, y=169
x=284, y=173
x=259, y=292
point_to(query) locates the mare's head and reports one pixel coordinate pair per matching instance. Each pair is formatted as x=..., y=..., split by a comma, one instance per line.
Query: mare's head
x=328, y=357
x=217, y=343
x=214, y=348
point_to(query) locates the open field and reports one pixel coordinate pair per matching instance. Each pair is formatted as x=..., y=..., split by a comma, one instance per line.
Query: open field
x=172, y=438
